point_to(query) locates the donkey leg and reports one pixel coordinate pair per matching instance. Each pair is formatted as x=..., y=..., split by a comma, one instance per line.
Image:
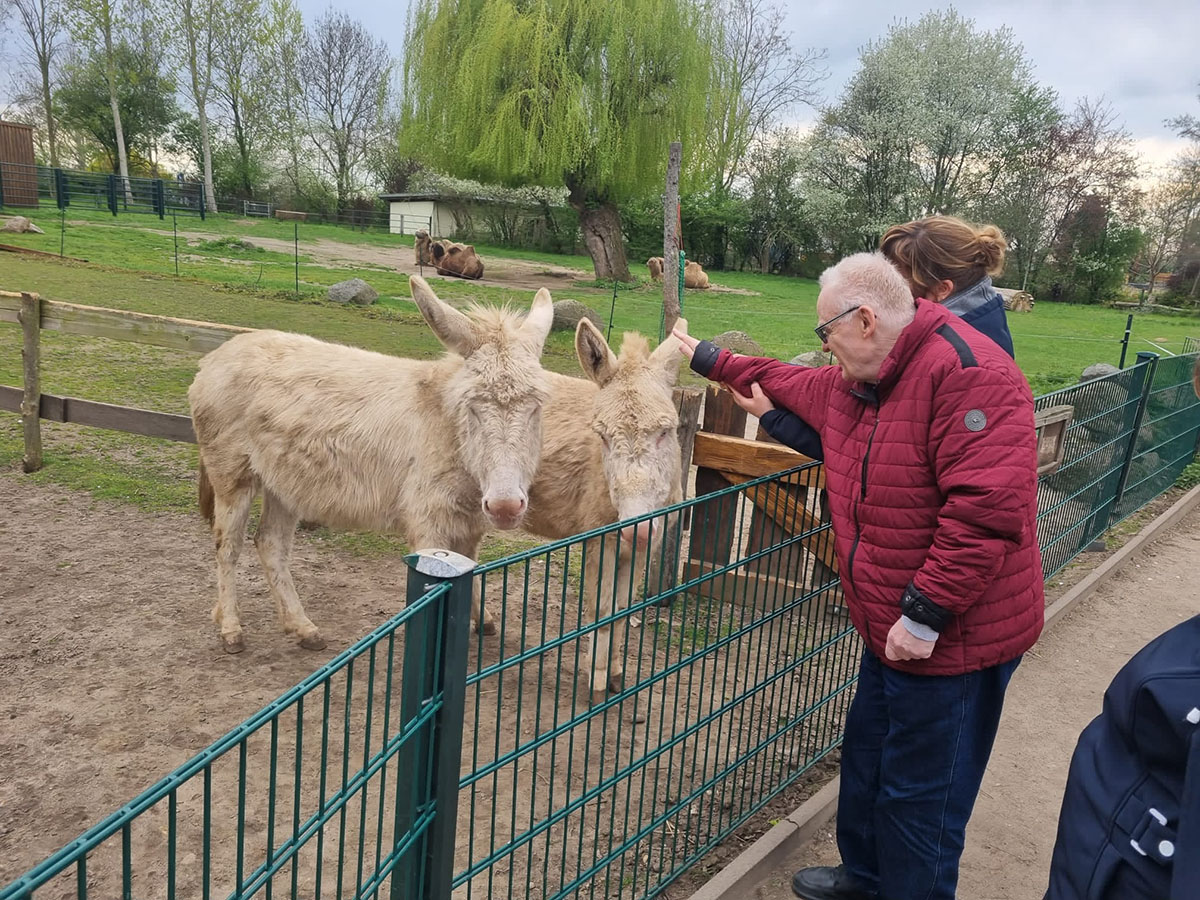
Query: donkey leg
x=621, y=599
x=276, y=530
x=481, y=618
x=230, y=511
x=599, y=577
x=468, y=545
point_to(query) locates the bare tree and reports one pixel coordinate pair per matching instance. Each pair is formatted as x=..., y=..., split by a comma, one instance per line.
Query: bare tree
x=41, y=25
x=98, y=24
x=1169, y=209
x=345, y=73
x=758, y=78
x=284, y=46
x=198, y=19
x=238, y=61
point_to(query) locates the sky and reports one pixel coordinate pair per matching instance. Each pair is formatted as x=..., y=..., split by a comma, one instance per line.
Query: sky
x=1142, y=56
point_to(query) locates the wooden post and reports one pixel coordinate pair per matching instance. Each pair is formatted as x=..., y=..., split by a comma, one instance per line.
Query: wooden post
x=714, y=523
x=664, y=568
x=671, y=298
x=30, y=318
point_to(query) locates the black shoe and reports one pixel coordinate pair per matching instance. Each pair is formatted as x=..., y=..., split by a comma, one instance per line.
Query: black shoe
x=828, y=883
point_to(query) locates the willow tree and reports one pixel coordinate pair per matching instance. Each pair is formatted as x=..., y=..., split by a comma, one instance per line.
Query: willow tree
x=586, y=94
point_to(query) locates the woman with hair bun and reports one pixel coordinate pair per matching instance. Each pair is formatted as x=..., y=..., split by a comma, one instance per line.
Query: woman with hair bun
x=950, y=262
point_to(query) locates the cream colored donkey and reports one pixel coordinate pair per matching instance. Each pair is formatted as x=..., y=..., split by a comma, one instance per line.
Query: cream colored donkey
x=610, y=451
x=434, y=450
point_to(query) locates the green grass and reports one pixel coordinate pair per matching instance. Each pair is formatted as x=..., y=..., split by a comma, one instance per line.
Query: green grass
x=225, y=280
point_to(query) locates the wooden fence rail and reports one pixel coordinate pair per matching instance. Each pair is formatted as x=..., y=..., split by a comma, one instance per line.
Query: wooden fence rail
x=35, y=314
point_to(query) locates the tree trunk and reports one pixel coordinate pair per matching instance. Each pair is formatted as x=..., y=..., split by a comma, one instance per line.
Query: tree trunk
x=600, y=223
x=122, y=156
x=210, y=193
x=51, y=126
x=239, y=138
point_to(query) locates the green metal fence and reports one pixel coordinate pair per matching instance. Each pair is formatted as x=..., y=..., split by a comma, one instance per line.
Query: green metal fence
x=735, y=684
x=329, y=791
x=427, y=762
x=1132, y=434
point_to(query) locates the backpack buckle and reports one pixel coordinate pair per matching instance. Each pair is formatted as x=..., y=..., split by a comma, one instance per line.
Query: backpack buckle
x=1152, y=838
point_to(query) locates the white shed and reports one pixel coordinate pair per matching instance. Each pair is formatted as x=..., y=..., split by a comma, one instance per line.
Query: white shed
x=409, y=213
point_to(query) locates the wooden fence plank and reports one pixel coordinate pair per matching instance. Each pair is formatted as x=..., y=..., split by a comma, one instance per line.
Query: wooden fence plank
x=725, y=453
x=129, y=419
x=161, y=331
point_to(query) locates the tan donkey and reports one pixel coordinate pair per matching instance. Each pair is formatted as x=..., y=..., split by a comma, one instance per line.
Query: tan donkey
x=434, y=450
x=610, y=451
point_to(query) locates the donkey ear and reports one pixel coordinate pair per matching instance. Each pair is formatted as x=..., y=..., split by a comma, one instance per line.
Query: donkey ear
x=598, y=361
x=666, y=355
x=452, y=328
x=538, y=320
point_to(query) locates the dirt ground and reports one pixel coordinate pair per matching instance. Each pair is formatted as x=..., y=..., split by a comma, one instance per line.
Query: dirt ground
x=1055, y=692
x=113, y=676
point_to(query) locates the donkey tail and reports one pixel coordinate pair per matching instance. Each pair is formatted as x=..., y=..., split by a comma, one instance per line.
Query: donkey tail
x=207, y=498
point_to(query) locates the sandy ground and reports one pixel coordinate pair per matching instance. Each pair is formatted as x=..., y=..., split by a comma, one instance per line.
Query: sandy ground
x=1055, y=692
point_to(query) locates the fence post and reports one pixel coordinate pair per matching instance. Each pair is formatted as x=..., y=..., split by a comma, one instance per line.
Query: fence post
x=1143, y=386
x=1125, y=340
x=60, y=189
x=160, y=198
x=435, y=666
x=112, y=194
x=1, y=185
x=30, y=318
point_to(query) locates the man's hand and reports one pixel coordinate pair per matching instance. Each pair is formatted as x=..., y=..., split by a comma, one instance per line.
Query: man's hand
x=687, y=343
x=756, y=404
x=903, y=645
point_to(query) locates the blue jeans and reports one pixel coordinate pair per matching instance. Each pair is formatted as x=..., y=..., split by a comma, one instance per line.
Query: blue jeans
x=913, y=758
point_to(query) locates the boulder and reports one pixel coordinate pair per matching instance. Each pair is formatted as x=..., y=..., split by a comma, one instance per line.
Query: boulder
x=355, y=290
x=812, y=359
x=567, y=314
x=738, y=342
x=1098, y=370
x=20, y=225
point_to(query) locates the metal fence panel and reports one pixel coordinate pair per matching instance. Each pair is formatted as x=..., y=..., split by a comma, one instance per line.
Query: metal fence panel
x=1167, y=435
x=301, y=799
x=736, y=682
x=1075, y=503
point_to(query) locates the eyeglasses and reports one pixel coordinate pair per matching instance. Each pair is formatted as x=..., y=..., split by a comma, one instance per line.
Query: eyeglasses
x=822, y=330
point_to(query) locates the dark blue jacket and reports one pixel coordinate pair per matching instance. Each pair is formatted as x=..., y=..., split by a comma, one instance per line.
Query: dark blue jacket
x=980, y=306
x=1130, y=822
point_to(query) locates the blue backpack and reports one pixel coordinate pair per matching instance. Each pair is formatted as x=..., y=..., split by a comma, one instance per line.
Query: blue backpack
x=1130, y=822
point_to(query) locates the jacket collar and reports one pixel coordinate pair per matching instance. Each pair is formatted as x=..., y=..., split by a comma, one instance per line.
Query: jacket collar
x=970, y=299
x=930, y=317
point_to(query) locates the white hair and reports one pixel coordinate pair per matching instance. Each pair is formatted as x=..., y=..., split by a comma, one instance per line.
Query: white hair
x=870, y=279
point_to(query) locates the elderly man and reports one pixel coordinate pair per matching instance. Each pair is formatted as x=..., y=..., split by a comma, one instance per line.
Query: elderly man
x=930, y=458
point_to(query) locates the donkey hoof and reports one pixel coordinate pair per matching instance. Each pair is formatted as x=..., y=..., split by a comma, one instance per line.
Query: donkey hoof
x=313, y=642
x=616, y=682
x=487, y=628
x=233, y=643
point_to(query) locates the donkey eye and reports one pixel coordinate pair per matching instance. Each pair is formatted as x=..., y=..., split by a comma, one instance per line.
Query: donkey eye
x=663, y=436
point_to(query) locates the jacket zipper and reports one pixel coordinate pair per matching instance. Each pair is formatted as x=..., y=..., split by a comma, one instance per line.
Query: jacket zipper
x=862, y=496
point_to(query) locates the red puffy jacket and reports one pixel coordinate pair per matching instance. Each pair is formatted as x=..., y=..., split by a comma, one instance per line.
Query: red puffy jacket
x=931, y=482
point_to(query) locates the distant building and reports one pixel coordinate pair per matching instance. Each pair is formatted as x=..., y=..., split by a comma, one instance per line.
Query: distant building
x=409, y=213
